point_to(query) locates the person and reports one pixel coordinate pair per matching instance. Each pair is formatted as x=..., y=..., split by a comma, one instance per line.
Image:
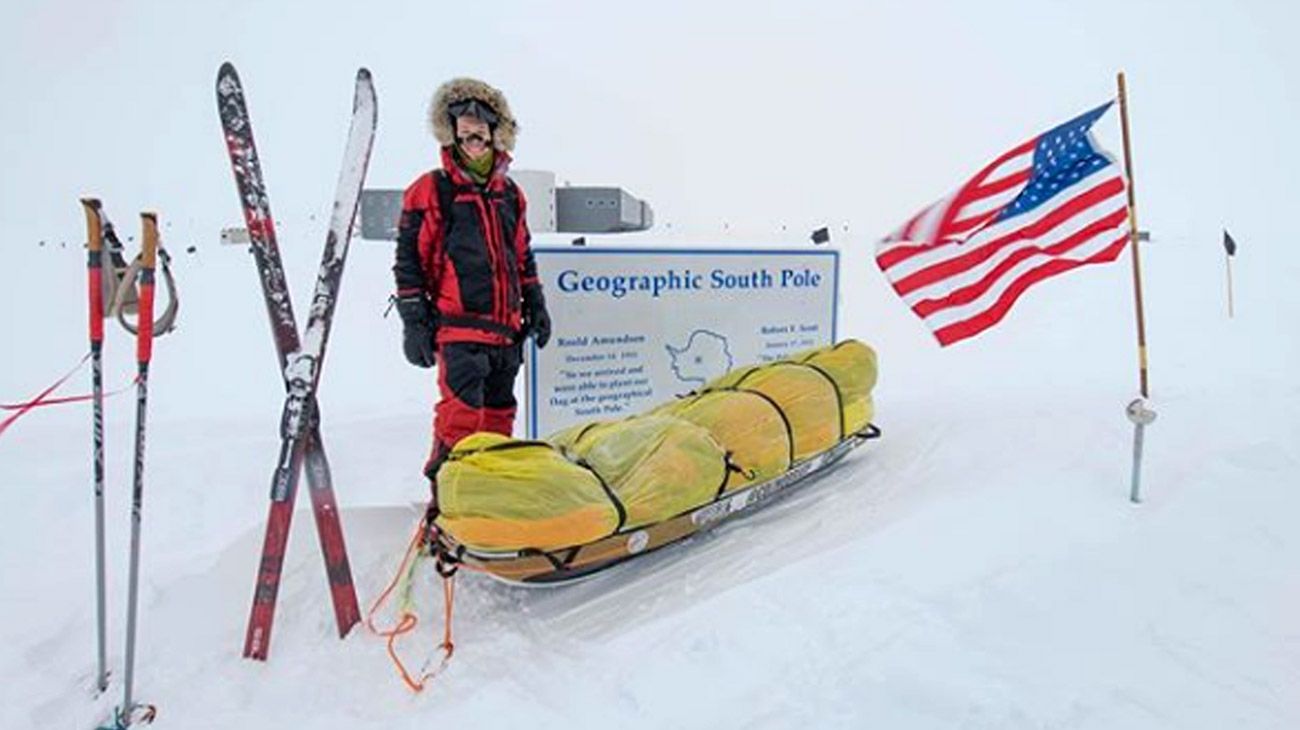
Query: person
x=468, y=292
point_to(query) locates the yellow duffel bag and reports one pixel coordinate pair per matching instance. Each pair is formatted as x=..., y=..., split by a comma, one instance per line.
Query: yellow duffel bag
x=749, y=426
x=852, y=365
x=657, y=466
x=804, y=394
x=497, y=493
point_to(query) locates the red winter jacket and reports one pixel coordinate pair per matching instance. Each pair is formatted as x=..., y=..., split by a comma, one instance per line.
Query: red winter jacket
x=467, y=246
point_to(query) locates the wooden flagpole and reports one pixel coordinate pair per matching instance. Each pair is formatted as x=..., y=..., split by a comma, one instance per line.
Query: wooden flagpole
x=1138, y=410
x=1133, y=241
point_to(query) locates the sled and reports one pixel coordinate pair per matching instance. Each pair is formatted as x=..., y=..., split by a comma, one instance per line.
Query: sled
x=533, y=567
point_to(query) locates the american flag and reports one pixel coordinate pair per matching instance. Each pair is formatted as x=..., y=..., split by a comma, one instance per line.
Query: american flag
x=1052, y=204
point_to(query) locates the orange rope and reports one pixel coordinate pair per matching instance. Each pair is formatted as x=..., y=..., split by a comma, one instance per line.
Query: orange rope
x=409, y=620
x=411, y=551
x=447, y=646
x=448, y=601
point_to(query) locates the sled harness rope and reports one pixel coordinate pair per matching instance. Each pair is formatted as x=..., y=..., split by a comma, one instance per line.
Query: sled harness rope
x=424, y=545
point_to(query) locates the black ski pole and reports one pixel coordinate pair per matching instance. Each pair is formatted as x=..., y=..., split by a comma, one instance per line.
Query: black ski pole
x=95, y=284
x=144, y=352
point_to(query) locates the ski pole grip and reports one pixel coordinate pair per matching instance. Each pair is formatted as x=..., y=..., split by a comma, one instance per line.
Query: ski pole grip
x=148, y=260
x=94, y=267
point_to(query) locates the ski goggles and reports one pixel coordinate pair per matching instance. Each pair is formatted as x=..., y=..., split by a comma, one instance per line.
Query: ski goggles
x=473, y=108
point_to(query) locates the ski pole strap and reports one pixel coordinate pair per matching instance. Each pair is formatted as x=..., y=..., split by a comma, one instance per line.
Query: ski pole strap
x=40, y=400
x=166, y=322
x=106, y=255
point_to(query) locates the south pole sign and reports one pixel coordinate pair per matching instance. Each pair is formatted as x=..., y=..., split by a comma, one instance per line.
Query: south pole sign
x=635, y=327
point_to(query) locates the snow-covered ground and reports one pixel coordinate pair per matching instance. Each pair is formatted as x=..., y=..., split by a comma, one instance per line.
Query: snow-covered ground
x=979, y=566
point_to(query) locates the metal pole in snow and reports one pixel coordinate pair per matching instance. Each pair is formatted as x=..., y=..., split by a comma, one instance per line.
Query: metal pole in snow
x=1139, y=411
x=1141, y=416
x=1227, y=258
x=95, y=271
x=144, y=352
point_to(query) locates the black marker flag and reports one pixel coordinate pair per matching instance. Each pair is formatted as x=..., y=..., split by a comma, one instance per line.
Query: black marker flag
x=1229, y=245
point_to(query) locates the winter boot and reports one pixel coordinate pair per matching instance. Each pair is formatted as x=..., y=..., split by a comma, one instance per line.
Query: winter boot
x=431, y=467
x=440, y=452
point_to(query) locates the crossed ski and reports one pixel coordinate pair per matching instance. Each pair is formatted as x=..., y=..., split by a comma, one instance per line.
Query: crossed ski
x=300, y=358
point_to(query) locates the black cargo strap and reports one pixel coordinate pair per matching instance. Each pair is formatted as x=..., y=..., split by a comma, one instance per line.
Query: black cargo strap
x=458, y=454
x=445, y=565
x=839, y=394
x=785, y=420
x=872, y=431
x=560, y=564
x=613, y=498
x=585, y=430
x=446, y=561
x=731, y=467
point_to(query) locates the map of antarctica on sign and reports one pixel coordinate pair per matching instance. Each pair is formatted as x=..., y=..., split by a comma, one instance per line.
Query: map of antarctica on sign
x=704, y=357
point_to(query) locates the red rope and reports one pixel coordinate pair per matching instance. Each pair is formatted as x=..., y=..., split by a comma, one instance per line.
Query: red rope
x=39, y=400
x=61, y=400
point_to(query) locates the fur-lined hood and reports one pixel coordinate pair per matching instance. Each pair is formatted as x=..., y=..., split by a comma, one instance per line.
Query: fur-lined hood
x=462, y=89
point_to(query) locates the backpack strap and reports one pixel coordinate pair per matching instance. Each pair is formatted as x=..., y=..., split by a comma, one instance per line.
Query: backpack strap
x=511, y=196
x=446, y=194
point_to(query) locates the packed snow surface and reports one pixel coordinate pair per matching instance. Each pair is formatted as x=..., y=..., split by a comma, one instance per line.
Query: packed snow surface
x=978, y=566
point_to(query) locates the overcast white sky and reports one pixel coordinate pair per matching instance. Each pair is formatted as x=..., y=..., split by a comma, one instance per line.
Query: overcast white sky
x=751, y=113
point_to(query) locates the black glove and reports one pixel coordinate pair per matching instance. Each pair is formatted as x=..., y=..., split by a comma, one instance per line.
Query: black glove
x=537, y=322
x=419, y=328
